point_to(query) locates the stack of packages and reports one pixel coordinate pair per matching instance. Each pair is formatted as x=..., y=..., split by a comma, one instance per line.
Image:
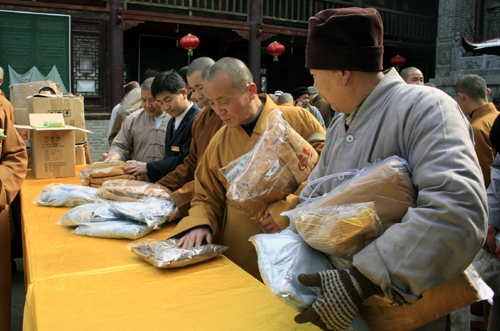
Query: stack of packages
x=95, y=174
x=119, y=209
x=341, y=223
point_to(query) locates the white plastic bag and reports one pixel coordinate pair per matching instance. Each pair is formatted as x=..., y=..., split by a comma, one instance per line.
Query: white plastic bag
x=65, y=195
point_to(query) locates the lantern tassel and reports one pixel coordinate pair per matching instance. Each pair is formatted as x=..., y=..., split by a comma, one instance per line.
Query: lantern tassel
x=190, y=52
x=275, y=58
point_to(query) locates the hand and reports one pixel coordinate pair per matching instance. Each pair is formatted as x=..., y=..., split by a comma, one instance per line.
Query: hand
x=113, y=157
x=195, y=236
x=136, y=168
x=269, y=224
x=342, y=292
x=489, y=244
x=299, y=104
x=175, y=215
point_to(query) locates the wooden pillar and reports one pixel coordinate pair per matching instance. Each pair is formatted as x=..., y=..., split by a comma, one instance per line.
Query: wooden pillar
x=116, y=52
x=254, y=43
x=479, y=21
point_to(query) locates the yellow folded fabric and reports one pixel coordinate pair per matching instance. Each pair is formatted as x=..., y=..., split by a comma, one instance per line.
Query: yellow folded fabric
x=131, y=190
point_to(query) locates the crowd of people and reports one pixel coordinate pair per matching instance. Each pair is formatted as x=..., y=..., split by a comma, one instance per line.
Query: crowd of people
x=178, y=129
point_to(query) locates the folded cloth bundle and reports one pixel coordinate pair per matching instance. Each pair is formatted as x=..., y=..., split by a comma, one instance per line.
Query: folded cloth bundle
x=166, y=254
x=387, y=183
x=130, y=190
x=65, y=195
x=280, y=161
x=97, y=173
x=152, y=211
x=282, y=257
x=338, y=231
x=113, y=229
x=88, y=213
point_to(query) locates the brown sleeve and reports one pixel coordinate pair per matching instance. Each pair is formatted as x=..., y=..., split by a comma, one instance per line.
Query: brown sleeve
x=13, y=164
x=182, y=198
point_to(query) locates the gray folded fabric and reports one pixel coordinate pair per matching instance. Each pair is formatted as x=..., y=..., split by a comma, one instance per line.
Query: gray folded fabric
x=89, y=213
x=113, y=229
x=152, y=211
x=65, y=195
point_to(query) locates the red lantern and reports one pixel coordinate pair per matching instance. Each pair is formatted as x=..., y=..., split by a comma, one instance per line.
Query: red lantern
x=189, y=42
x=398, y=61
x=275, y=49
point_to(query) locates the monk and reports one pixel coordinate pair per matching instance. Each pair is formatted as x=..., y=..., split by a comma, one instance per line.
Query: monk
x=233, y=96
x=13, y=164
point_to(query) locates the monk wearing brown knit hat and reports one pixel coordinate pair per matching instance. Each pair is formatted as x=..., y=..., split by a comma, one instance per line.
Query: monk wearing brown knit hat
x=382, y=116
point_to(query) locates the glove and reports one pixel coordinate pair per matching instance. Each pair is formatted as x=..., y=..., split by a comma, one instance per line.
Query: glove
x=342, y=292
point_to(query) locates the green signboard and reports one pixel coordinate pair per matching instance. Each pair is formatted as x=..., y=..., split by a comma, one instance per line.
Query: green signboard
x=28, y=40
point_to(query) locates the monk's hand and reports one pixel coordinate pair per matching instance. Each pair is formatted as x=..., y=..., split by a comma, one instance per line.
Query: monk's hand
x=489, y=244
x=136, y=168
x=195, y=236
x=269, y=224
x=175, y=215
x=113, y=157
x=342, y=292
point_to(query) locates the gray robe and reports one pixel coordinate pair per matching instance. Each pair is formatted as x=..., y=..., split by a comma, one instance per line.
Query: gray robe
x=437, y=239
x=139, y=139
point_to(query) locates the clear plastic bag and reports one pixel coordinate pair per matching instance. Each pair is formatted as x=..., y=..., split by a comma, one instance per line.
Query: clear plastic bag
x=152, y=211
x=113, y=229
x=97, y=173
x=387, y=183
x=488, y=267
x=282, y=257
x=131, y=190
x=280, y=161
x=88, y=213
x=338, y=231
x=166, y=254
x=65, y=195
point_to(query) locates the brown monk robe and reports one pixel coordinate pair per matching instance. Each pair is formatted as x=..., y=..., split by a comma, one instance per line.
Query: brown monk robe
x=13, y=163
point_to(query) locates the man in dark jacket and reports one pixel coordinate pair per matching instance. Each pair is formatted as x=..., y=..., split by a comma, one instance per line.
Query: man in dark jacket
x=170, y=92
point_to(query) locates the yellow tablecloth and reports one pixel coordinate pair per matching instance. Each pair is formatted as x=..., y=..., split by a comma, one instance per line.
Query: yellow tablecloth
x=82, y=283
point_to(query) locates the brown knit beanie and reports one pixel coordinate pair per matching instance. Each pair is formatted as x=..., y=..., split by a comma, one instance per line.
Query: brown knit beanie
x=345, y=39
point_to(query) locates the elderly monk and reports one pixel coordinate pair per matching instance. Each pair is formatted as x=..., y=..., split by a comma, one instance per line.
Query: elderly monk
x=142, y=136
x=205, y=126
x=233, y=96
x=13, y=163
x=383, y=116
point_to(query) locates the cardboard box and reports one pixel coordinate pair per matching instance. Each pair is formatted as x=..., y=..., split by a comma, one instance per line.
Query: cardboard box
x=52, y=149
x=19, y=93
x=80, y=155
x=71, y=107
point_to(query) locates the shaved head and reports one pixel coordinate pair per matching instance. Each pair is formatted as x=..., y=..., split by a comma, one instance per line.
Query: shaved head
x=235, y=69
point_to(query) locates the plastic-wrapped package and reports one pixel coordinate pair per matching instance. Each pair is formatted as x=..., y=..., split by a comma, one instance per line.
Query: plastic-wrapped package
x=387, y=183
x=282, y=257
x=152, y=211
x=233, y=169
x=166, y=254
x=97, y=173
x=488, y=267
x=382, y=315
x=65, y=195
x=113, y=229
x=89, y=213
x=280, y=161
x=338, y=231
x=131, y=190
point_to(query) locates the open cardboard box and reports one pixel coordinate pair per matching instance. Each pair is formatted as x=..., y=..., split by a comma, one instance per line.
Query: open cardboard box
x=53, y=149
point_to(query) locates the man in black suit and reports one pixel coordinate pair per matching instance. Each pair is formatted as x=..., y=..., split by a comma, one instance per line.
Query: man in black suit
x=170, y=92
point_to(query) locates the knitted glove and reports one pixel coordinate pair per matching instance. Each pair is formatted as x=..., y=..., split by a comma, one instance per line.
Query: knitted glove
x=342, y=292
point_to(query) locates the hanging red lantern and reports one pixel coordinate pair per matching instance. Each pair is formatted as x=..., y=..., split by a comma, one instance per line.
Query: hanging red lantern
x=189, y=42
x=398, y=61
x=275, y=49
